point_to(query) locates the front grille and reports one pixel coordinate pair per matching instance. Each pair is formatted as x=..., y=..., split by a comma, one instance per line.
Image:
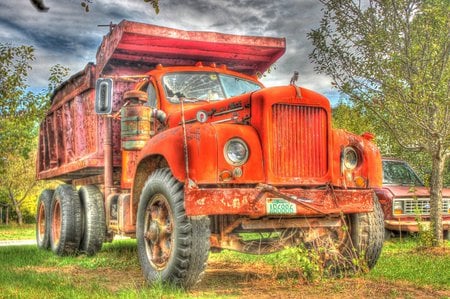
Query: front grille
x=299, y=141
x=422, y=206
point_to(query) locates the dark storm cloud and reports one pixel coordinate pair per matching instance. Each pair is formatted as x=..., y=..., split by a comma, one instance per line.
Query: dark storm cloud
x=68, y=36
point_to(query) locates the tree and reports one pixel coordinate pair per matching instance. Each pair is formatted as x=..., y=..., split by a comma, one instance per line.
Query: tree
x=392, y=57
x=17, y=183
x=20, y=114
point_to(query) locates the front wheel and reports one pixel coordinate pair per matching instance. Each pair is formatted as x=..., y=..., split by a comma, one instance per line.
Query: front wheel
x=366, y=236
x=172, y=247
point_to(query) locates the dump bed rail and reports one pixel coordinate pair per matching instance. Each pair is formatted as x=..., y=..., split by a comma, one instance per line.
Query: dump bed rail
x=150, y=45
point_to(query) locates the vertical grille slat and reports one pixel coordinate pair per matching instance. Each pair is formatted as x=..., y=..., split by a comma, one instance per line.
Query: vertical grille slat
x=299, y=141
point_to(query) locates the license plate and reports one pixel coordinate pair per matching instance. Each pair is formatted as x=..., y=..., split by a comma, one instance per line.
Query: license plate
x=280, y=206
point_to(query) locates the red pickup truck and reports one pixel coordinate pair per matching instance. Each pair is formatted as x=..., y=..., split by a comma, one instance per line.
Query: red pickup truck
x=406, y=201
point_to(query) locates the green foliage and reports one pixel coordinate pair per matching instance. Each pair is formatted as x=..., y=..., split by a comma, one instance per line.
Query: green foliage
x=19, y=109
x=20, y=114
x=305, y=264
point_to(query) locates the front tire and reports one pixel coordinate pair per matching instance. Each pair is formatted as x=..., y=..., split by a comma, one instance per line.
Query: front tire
x=43, y=213
x=171, y=246
x=65, y=221
x=367, y=235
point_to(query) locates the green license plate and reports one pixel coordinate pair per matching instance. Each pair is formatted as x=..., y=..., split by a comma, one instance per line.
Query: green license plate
x=280, y=206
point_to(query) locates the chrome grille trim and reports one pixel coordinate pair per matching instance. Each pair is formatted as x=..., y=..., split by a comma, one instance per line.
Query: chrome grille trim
x=421, y=206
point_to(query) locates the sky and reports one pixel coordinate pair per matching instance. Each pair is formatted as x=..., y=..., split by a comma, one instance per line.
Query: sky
x=69, y=36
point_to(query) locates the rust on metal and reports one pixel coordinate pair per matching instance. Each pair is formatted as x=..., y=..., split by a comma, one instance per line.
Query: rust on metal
x=150, y=45
x=253, y=202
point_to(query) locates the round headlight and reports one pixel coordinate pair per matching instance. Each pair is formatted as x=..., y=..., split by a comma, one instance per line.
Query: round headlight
x=236, y=151
x=350, y=158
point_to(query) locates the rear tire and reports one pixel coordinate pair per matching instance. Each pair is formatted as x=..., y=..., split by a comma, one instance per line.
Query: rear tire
x=94, y=226
x=43, y=213
x=65, y=221
x=172, y=247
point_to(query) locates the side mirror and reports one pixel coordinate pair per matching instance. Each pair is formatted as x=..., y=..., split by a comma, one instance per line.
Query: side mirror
x=103, y=96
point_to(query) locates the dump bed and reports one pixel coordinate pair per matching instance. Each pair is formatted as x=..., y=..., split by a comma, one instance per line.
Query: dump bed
x=71, y=135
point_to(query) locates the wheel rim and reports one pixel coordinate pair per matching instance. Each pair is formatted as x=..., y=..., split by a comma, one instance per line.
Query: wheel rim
x=158, y=231
x=56, y=222
x=41, y=221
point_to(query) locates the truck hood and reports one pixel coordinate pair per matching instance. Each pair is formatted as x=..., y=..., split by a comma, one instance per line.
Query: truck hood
x=409, y=191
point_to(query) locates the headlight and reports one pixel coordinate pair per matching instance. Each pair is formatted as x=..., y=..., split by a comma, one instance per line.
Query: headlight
x=397, y=207
x=350, y=158
x=236, y=151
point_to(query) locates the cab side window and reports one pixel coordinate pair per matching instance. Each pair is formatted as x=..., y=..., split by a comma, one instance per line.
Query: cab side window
x=151, y=92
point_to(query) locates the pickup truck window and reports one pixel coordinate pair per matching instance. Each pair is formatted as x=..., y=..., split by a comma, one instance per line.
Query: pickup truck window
x=399, y=173
x=204, y=86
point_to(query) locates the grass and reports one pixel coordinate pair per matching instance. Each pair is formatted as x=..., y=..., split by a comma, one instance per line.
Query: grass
x=114, y=272
x=15, y=232
x=401, y=260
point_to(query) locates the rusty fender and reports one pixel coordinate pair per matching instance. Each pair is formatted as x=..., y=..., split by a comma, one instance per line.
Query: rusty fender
x=254, y=202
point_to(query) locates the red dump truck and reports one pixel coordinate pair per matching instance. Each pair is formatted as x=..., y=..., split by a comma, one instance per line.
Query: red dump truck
x=170, y=138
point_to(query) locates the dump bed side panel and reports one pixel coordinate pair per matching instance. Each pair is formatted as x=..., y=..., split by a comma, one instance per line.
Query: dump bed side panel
x=69, y=138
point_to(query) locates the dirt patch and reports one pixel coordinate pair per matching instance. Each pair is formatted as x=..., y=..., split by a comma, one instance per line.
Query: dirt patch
x=258, y=282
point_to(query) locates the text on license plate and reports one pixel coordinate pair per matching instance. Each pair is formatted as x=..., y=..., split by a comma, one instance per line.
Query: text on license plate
x=280, y=206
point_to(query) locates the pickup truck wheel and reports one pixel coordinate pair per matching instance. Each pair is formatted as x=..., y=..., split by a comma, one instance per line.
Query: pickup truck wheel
x=43, y=219
x=367, y=235
x=171, y=246
x=65, y=221
x=93, y=216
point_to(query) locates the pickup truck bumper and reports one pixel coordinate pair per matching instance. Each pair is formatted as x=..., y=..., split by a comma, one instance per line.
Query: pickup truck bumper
x=411, y=226
x=265, y=200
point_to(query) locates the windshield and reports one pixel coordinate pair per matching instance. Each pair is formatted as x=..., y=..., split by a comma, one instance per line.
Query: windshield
x=207, y=86
x=399, y=173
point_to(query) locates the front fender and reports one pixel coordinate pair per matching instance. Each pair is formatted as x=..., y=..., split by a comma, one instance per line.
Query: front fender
x=206, y=161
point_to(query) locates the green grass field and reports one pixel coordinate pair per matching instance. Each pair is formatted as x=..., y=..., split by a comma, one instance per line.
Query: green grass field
x=402, y=271
x=14, y=232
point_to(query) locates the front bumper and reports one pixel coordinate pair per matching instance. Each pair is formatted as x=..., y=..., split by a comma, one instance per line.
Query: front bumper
x=256, y=202
x=411, y=226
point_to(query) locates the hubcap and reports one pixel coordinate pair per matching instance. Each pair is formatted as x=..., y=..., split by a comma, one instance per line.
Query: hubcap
x=158, y=231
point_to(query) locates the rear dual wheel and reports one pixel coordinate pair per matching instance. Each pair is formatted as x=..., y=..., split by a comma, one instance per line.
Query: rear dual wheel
x=66, y=221
x=94, y=226
x=70, y=221
x=43, y=219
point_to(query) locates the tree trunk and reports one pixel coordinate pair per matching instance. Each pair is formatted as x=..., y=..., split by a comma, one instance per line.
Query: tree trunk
x=7, y=216
x=436, y=185
x=19, y=215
